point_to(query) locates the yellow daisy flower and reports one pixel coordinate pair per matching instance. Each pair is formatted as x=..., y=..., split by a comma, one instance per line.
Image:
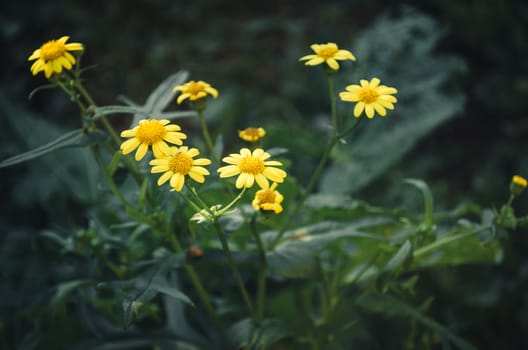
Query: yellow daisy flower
x=179, y=163
x=268, y=199
x=370, y=96
x=52, y=56
x=151, y=132
x=327, y=53
x=195, y=90
x=252, y=134
x=518, y=185
x=519, y=180
x=251, y=167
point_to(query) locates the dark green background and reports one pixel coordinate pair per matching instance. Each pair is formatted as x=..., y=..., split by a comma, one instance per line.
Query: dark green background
x=249, y=51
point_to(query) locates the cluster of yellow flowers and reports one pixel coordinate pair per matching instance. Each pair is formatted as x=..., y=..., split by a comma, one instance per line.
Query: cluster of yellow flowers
x=175, y=163
x=252, y=166
x=370, y=96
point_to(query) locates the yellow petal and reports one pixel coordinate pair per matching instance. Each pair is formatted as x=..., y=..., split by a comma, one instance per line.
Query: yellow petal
x=141, y=151
x=358, y=109
x=332, y=63
x=177, y=181
x=129, y=145
x=165, y=177
x=369, y=111
x=228, y=171
x=274, y=174
x=261, y=181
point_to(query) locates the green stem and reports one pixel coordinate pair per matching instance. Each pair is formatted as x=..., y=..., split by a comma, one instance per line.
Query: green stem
x=132, y=166
x=446, y=240
x=261, y=282
x=110, y=181
x=315, y=177
x=233, y=267
x=333, y=110
x=197, y=284
x=207, y=136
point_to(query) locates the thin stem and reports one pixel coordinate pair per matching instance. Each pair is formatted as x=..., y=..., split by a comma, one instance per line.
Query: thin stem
x=261, y=282
x=333, y=110
x=315, y=177
x=446, y=240
x=110, y=181
x=207, y=136
x=197, y=283
x=233, y=267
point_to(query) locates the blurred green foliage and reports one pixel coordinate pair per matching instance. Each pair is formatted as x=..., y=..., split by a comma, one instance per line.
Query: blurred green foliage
x=462, y=64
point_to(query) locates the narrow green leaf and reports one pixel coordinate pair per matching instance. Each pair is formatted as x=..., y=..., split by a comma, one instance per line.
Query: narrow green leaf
x=390, y=305
x=108, y=110
x=428, y=200
x=66, y=288
x=70, y=139
x=163, y=95
x=400, y=257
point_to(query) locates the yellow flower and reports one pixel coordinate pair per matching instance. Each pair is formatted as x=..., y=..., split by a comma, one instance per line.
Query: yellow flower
x=327, y=53
x=519, y=180
x=194, y=90
x=252, y=134
x=370, y=96
x=179, y=163
x=152, y=132
x=252, y=167
x=518, y=185
x=52, y=56
x=268, y=199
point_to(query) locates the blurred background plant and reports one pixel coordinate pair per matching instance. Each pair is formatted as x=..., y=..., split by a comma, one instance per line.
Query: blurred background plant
x=462, y=78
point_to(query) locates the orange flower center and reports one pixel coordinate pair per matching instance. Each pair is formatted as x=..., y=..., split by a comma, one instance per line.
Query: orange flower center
x=368, y=95
x=52, y=50
x=181, y=163
x=150, y=131
x=327, y=52
x=266, y=196
x=250, y=134
x=194, y=88
x=251, y=165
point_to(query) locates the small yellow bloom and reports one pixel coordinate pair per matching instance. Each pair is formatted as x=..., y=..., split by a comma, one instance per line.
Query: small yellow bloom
x=519, y=180
x=152, y=132
x=252, y=134
x=327, y=53
x=268, y=199
x=370, y=96
x=252, y=167
x=179, y=163
x=194, y=90
x=52, y=56
x=518, y=185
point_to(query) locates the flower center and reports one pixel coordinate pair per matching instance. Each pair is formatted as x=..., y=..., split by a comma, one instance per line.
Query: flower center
x=150, y=131
x=251, y=165
x=327, y=52
x=194, y=88
x=52, y=50
x=266, y=196
x=252, y=132
x=368, y=95
x=181, y=163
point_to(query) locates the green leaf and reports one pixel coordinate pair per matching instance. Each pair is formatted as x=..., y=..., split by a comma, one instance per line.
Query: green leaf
x=383, y=303
x=66, y=288
x=428, y=200
x=245, y=333
x=297, y=257
x=400, y=257
x=71, y=139
x=455, y=249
